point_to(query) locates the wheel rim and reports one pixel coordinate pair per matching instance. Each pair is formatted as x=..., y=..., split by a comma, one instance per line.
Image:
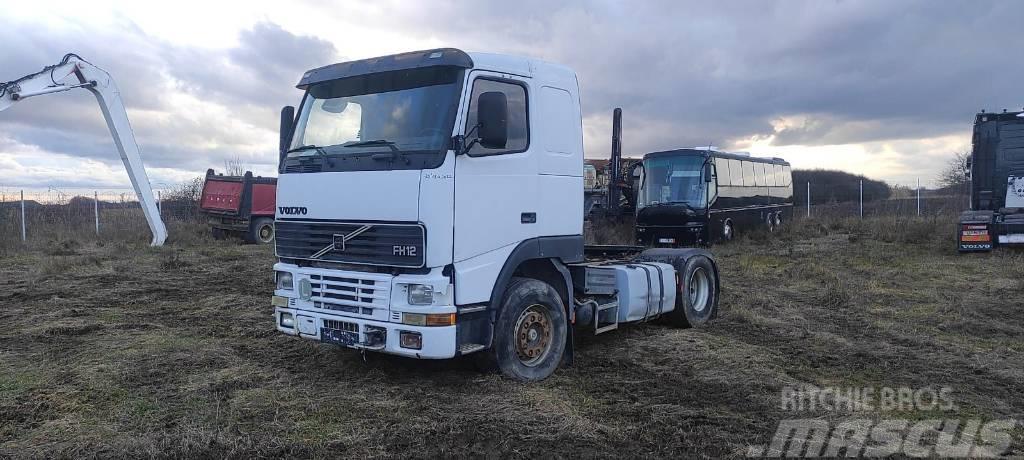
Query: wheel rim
x=266, y=233
x=533, y=335
x=699, y=289
x=778, y=219
x=727, y=230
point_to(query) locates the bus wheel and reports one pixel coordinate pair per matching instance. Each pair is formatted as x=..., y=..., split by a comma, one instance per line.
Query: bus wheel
x=770, y=220
x=727, y=230
x=778, y=219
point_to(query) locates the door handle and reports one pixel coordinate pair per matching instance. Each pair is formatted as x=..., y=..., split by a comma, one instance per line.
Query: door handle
x=528, y=218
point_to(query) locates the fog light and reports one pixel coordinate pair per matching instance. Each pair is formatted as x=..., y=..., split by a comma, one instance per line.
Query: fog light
x=284, y=280
x=421, y=294
x=287, y=320
x=411, y=340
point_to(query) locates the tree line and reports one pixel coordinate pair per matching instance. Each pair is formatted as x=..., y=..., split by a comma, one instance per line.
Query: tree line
x=830, y=186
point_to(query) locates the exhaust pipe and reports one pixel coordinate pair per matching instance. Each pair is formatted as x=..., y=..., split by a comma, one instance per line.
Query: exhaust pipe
x=615, y=165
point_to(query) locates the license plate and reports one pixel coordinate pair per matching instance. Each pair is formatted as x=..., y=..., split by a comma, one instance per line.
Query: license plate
x=338, y=337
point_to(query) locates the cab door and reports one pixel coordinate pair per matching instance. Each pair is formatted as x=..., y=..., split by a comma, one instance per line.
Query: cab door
x=496, y=189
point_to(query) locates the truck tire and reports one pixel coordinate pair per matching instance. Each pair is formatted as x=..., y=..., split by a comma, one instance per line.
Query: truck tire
x=261, y=231
x=218, y=233
x=530, y=334
x=697, y=297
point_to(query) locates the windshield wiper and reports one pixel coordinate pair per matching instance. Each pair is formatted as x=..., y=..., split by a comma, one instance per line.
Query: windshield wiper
x=373, y=143
x=319, y=150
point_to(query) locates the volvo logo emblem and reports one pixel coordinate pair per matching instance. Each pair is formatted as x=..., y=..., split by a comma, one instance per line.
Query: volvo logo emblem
x=339, y=240
x=292, y=210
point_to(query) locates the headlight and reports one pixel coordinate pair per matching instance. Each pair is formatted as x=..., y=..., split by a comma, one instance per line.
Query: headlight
x=284, y=280
x=287, y=320
x=421, y=294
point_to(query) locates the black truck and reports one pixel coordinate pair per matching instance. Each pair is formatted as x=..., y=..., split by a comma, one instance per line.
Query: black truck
x=996, y=217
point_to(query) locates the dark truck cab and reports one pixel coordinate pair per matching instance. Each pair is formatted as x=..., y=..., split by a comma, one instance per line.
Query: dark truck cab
x=996, y=216
x=240, y=205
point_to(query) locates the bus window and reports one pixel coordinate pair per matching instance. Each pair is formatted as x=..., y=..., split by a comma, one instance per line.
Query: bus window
x=735, y=173
x=722, y=171
x=759, y=174
x=787, y=176
x=748, y=173
x=769, y=175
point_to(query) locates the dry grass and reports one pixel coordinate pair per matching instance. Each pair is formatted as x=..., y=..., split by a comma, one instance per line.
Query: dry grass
x=112, y=348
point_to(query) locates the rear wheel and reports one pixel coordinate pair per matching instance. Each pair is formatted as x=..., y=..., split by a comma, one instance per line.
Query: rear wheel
x=697, y=294
x=530, y=334
x=261, y=231
x=218, y=233
x=778, y=219
x=770, y=222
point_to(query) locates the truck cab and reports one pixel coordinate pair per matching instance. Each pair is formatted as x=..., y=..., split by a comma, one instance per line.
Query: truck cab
x=418, y=192
x=996, y=216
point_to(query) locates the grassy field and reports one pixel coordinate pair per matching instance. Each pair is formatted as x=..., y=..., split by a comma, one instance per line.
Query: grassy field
x=112, y=348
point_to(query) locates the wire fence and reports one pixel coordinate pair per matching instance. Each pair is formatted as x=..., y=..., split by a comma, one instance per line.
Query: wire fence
x=116, y=214
x=903, y=200
x=110, y=214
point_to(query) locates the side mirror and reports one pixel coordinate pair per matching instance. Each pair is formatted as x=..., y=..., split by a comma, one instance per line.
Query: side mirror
x=709, y=172
x=287, y=120
x=492, y=115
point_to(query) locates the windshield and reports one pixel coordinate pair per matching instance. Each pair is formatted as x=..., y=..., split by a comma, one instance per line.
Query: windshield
x=410, y=111
x=673, y=180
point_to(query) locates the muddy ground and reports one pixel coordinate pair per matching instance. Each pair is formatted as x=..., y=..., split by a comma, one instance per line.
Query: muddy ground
x=116, y=349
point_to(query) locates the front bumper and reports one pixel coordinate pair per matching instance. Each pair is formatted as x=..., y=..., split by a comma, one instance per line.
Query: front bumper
x=365, y=306
x=670, y=235
x=437, y=342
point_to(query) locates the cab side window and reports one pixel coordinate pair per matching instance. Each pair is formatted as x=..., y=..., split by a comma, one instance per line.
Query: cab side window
x=518, y=119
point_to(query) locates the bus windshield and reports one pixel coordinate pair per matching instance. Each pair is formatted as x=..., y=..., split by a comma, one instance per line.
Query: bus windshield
x=673, y=180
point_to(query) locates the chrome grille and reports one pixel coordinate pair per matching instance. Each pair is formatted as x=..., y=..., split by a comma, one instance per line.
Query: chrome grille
x=354, y=293
x=366, y=243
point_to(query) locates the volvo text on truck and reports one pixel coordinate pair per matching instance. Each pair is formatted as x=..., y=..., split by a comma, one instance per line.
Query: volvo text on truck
x=429, y=204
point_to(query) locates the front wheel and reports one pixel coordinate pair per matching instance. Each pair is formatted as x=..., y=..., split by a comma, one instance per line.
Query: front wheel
x=697, y=294
x=530, y=334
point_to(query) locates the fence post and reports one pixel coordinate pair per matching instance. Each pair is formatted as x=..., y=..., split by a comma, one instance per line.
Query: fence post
x=808, y=199
x=96, y=209
x=918, y=196
x=23, y=215
x=862, y=198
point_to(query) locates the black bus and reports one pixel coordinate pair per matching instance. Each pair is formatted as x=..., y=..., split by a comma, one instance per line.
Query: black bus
x=697, y=197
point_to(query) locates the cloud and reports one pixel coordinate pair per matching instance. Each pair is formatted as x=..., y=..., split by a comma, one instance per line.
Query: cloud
x=190, y=108
x=814, y=78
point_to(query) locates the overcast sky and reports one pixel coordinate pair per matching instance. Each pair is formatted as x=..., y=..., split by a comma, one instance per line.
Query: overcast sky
x=882, y=88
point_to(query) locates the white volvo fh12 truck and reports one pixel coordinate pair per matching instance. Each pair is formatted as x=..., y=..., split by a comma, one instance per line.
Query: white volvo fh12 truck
x=430, y=205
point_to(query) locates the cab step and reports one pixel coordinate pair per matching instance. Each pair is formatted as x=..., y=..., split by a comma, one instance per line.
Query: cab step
x=605, y=310
x=468, y=348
